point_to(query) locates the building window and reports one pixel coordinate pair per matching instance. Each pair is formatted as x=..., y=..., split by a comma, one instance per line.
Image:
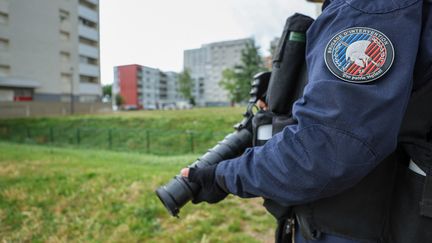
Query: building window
x=85, y=41
x=66, y=77
x=5, y=70
x=4, y=18
x=88, y=60
x=88, y=98
x=88, y=79
x=63, y=15
x=65, y=56
x=88, y=4
x=87, y=23
x=65, y=98
x=4, y=44
x=64, y=35
x=6, y=95
x=23, y=95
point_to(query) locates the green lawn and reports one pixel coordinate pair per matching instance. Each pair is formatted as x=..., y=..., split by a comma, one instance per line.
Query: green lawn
x=198, y=119
x=60, y=194
x=156, y=132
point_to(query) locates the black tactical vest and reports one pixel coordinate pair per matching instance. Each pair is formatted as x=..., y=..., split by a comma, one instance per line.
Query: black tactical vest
x=393, y=204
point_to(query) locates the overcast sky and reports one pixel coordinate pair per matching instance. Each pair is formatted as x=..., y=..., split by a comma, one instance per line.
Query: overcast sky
x=156, y=32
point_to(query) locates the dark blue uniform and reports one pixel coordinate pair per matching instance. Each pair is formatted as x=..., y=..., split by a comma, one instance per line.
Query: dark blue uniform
x=345, y=128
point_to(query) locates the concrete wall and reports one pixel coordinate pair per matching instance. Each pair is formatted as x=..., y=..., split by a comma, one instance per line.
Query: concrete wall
x=37, y=108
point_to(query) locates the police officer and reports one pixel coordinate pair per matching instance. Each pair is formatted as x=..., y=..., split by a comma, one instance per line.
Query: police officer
x=336, y=165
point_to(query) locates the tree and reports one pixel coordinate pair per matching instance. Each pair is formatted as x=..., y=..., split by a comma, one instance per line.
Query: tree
x=107, y=92
x=230, y=83
x=119, y=100
x=185, y=86
x=237, y=81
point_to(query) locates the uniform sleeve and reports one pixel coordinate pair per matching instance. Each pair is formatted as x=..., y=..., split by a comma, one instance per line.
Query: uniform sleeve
x=344, y=129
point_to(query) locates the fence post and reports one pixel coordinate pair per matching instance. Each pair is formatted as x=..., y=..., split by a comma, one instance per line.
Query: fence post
x=109, y=139
x=28, y=133
x=148, y=141
x=191, y=137
x=78, y=137
x=7, y=135
x=51, y=133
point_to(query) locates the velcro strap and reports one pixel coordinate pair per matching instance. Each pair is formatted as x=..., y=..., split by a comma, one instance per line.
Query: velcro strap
x=426, y=202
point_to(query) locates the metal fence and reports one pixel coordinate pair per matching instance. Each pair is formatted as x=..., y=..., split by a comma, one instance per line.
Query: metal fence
x=160, y=142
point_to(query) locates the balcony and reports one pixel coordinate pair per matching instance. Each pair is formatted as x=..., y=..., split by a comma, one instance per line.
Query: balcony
x=95, y=2
x=89, y=33
x=89, y=70
x=88, y=13
x=90, y=89
x=89, y=51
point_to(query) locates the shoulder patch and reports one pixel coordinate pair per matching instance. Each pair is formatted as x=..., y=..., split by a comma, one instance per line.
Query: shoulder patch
x=359, y=55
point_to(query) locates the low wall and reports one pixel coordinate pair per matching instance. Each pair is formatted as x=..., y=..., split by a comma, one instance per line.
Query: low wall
x=38, y=108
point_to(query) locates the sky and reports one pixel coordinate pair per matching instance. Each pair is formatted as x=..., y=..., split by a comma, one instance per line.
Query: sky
x=155, y=33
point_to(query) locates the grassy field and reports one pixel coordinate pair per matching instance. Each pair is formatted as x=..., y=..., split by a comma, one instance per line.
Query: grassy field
x=157, y=132
x=60, y=194
x=199, y=119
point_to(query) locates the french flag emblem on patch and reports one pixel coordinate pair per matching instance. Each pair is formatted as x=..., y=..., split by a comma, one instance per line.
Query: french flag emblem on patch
x=359, y=55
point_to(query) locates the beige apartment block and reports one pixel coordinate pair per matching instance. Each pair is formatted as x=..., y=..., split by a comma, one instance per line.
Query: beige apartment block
x=49, y=51
x=206, y=65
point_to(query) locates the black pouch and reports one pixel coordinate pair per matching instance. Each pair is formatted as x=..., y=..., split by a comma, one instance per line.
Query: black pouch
x=407, y=224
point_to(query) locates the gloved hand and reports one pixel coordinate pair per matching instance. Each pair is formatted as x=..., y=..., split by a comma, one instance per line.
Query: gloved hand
x=210, y=191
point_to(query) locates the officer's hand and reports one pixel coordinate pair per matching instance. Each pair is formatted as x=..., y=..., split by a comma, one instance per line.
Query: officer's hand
x=262, y=105
x=205, y=177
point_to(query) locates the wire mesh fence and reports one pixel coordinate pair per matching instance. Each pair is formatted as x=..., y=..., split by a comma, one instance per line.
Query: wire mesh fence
x=159, y=142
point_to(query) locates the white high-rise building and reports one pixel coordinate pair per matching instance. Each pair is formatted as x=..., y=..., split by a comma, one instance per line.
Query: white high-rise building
x=206, y=65
x=49, y=50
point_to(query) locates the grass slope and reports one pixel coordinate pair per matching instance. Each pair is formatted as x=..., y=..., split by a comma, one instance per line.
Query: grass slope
x=156, y=132
x=200, y=119
x=58, y=195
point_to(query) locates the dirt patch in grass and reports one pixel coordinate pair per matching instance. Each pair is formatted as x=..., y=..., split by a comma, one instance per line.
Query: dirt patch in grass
x=134, y=191
x=15, y=194
x=10, y=169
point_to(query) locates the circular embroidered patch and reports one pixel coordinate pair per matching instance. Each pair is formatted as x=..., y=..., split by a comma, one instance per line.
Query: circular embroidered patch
x=359, y=55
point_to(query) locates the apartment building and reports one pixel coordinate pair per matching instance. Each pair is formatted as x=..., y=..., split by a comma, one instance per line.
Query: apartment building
x=144, y=87
x=49, y=50
x=206, y=65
